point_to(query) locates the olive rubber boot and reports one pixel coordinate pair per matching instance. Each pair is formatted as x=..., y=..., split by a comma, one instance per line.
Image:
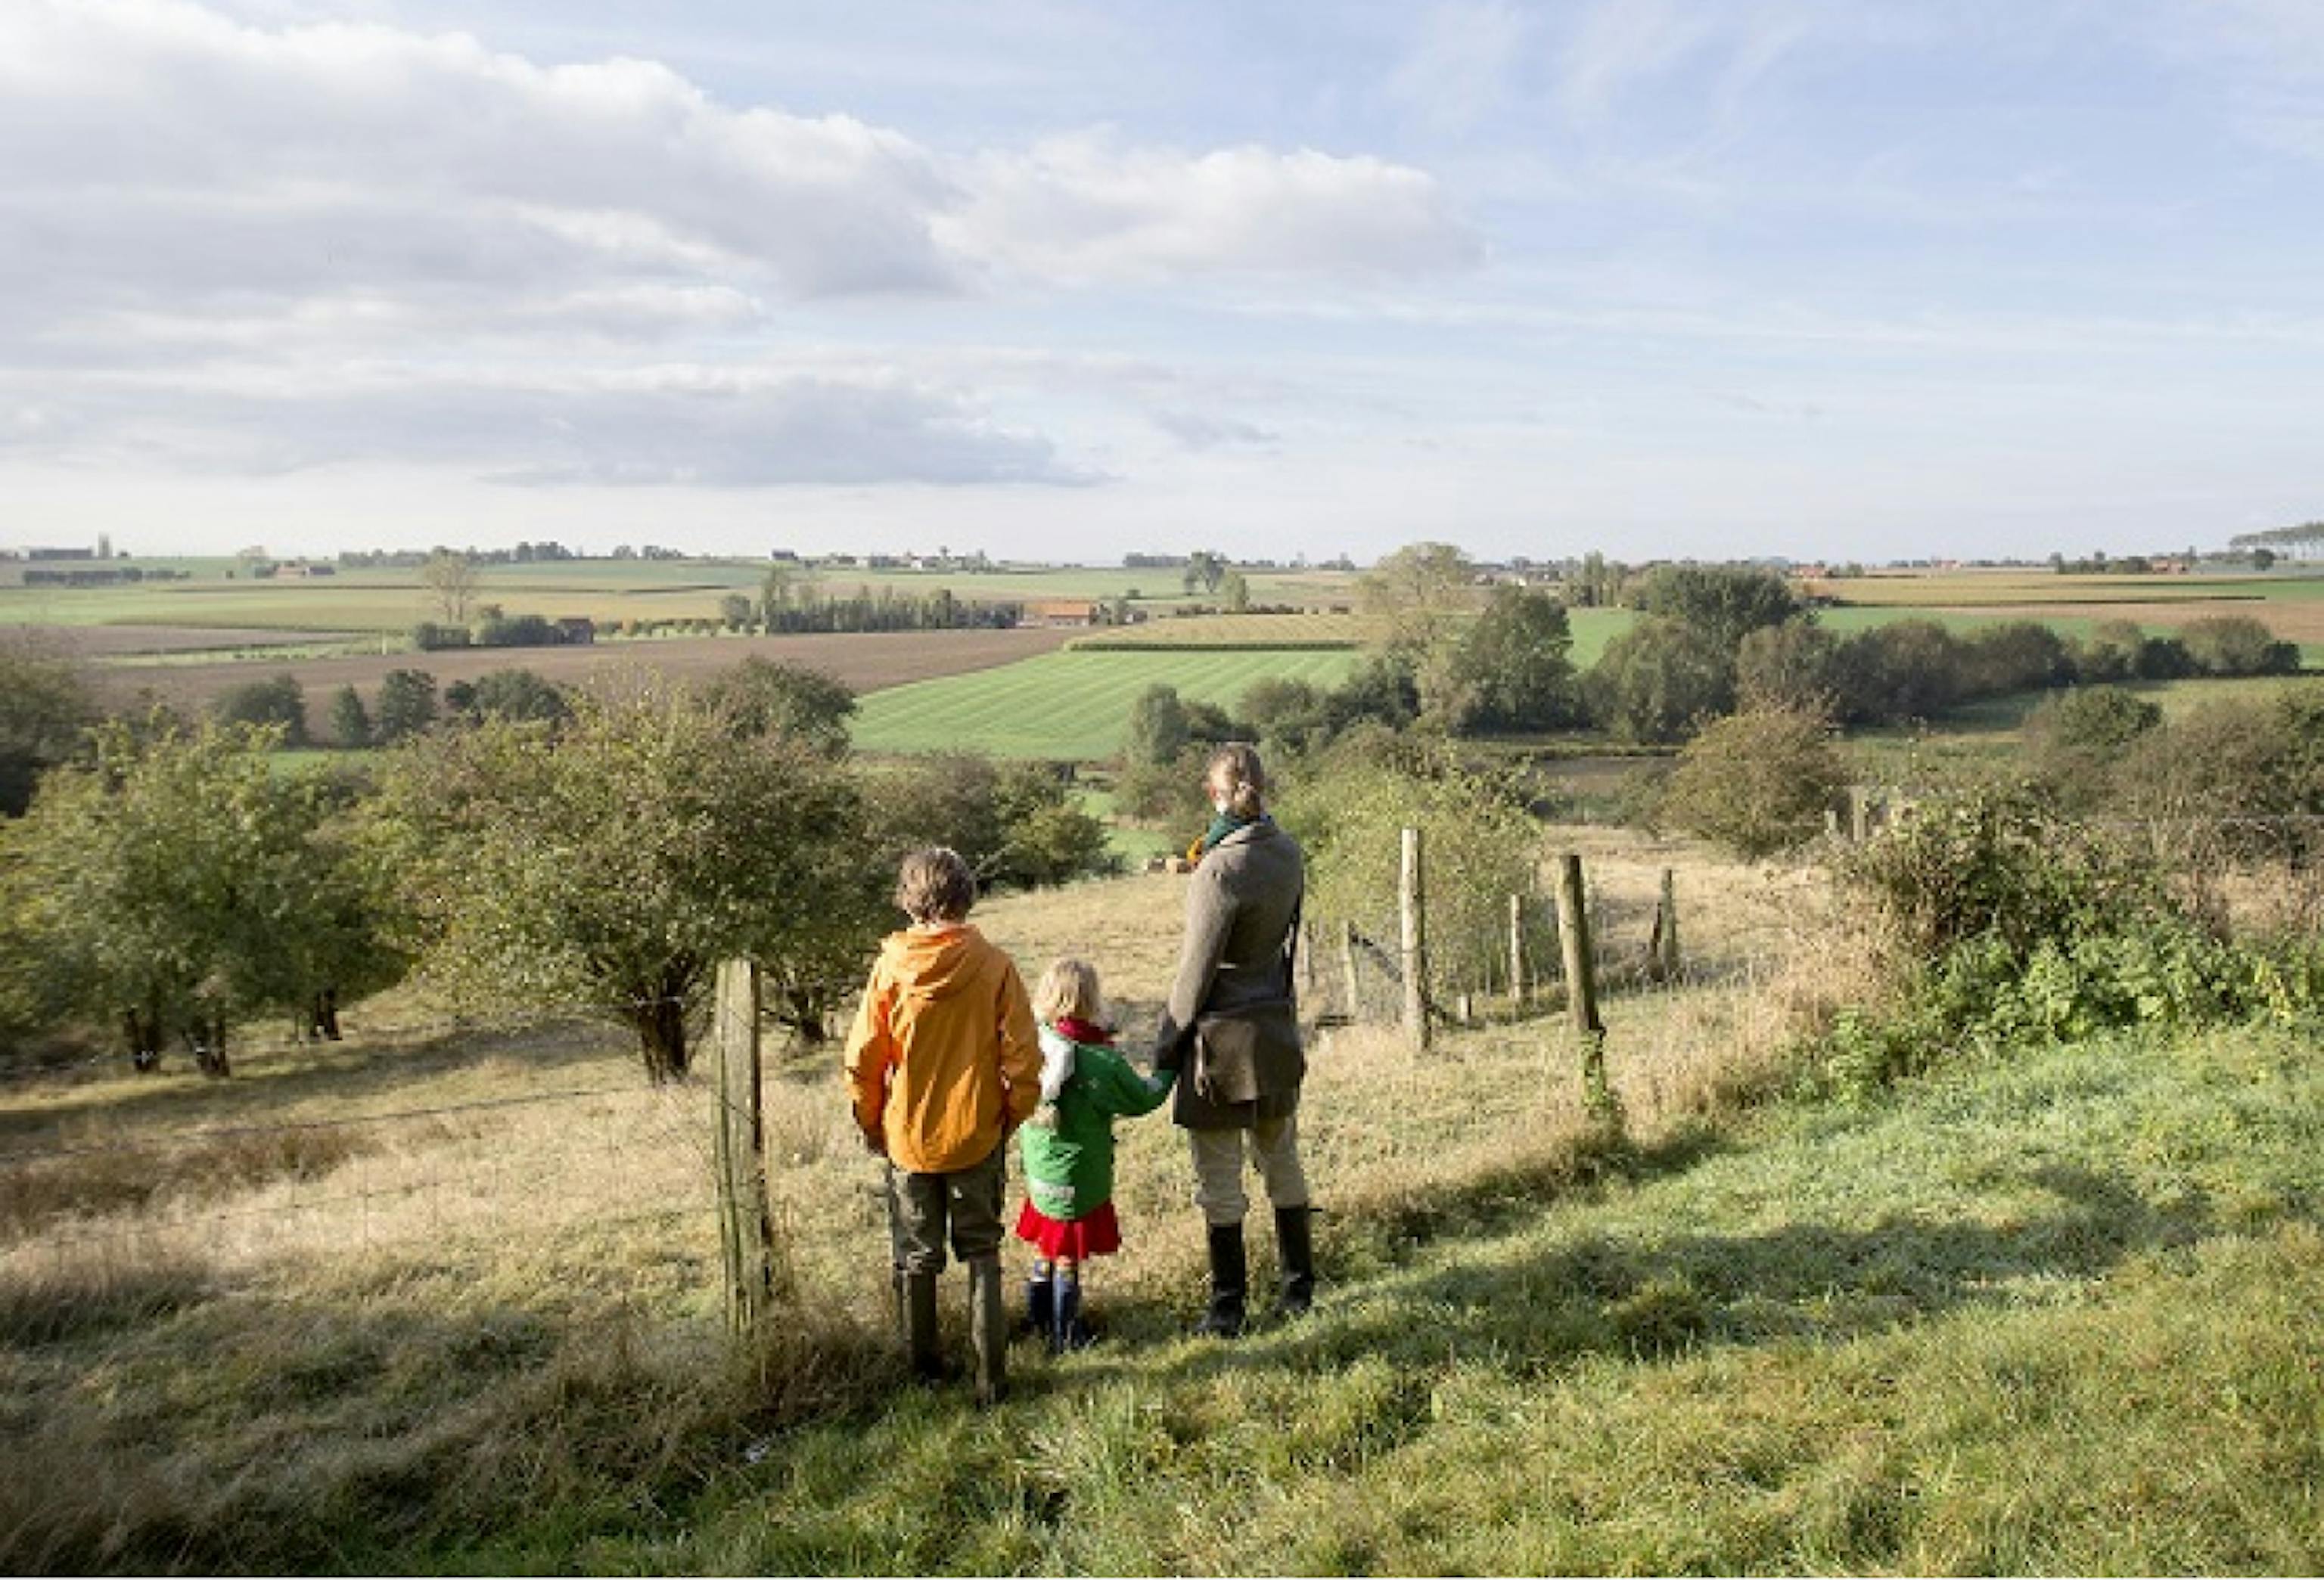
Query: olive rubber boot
x=920, y=1327
x=988, y=1328
x=1228, y=1283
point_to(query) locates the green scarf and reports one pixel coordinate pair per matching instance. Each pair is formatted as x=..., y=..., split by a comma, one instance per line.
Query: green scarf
x=1223, y=824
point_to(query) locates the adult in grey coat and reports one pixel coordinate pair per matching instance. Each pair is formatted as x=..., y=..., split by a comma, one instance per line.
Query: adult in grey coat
x=1231, y=1031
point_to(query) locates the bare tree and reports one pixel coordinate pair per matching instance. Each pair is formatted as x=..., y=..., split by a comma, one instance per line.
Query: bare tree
x=451, y=577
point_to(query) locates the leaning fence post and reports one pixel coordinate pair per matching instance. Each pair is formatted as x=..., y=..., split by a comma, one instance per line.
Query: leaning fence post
x=1348, y=971
x=746, y=1236
x=1411, y=914
x=1581, y=988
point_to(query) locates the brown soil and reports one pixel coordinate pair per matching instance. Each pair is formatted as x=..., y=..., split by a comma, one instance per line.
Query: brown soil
x=110, y=641
x=865, y=663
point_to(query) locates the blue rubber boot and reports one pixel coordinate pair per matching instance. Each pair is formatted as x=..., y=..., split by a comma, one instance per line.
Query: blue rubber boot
x=1067, y=1331
x=1040, y=1297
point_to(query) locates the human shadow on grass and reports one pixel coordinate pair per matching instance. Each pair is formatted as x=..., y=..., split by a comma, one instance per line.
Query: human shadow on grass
x=1653, y=1298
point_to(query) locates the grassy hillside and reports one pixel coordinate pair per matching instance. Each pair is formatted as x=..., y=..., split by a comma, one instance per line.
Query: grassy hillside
x=449, y=1299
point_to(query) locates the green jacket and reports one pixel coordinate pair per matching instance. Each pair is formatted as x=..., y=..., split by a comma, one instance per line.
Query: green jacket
x=1069, y=1169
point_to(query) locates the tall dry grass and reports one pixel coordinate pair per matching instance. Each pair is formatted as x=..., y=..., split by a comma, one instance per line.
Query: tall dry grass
x=372, y=1301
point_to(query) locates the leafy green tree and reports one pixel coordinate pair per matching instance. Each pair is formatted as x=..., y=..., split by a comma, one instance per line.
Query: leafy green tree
x=350, y=719
x=734, y=610
x=1757, y=782
x=1348, y=808
x=2109, y=653
x=1904, y=669
x=1237, y=588
x=517, y=694
x=1661, y=679
x=1281, y=712
x=1788, y=666
x=1724, y=602
x=406, y=704
x=47, y=704
x=614, y=863
x=179, y=882
x=279, y=703
x=761, y=696
x=1417, y=593
x=1508, y=669
x=2015, y=656
x=1158, y=729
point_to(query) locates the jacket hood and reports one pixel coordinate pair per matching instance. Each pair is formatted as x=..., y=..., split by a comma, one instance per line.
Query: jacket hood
x=933, y=965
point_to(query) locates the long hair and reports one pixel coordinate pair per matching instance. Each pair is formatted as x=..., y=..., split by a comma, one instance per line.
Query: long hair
x=1236, y=772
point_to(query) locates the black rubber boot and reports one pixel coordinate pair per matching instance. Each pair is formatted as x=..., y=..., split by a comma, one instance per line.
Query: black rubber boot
x=1294, y=1248
x=1228, y=1284
x=1067, y=1331
x=1040, y=1299
x=988, y=1330
x=920, y=1327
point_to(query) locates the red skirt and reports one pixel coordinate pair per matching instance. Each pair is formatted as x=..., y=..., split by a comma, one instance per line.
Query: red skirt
x=1096, y=1234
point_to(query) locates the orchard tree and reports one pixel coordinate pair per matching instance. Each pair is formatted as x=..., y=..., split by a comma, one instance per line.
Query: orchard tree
x=350, y=719
x=279, y=703
x=181, y=883
x=47, y=704
x=613, y=863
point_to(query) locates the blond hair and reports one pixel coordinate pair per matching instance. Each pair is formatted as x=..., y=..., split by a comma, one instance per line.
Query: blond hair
x=1068, y=989
x=934, y=884
x=1235, y=772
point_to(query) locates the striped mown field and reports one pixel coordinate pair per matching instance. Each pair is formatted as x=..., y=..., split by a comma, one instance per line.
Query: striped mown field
x=1070, y=706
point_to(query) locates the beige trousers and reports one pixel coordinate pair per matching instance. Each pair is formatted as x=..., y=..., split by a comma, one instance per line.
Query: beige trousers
x=1273, y=1148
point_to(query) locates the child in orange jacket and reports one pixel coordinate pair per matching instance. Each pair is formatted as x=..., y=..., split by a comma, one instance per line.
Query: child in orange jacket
x=942, y=1062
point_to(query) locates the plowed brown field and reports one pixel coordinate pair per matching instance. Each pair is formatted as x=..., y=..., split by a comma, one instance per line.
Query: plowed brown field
x=866, y=663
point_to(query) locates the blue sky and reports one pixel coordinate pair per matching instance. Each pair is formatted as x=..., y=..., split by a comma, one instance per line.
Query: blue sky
x=1762, y=277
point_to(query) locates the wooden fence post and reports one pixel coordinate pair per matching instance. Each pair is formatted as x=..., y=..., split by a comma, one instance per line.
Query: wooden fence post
x=1348, y=969
x=1581, y=988
x=1662, y=946
x=1411, y=911
x=746, y=1236
x=1516, y=950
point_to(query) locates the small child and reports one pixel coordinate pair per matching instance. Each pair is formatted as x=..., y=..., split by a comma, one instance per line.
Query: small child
x=1068, y=1216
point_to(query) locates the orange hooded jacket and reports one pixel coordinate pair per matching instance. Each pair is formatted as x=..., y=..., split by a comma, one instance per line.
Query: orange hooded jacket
x=943, y=1060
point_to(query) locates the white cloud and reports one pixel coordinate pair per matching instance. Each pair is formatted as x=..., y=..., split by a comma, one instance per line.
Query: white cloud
x=1084, y=209
x=225, y=244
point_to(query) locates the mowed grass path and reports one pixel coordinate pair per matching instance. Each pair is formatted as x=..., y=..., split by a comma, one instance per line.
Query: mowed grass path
x=1072, y=706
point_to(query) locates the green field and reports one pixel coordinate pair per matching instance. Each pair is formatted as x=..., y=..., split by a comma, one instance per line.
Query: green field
x=1067, y=705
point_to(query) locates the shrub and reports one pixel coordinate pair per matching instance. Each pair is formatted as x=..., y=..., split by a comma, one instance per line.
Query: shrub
x=1757, y=782
x=2075, y=740
x=429, y=637
x=279, y=703
x=2238, y=644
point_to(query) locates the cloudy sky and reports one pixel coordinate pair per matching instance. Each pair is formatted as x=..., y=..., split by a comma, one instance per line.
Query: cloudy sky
x=1852, y=277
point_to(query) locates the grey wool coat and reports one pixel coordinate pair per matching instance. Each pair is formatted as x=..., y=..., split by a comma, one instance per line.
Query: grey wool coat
x=1240, y=904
